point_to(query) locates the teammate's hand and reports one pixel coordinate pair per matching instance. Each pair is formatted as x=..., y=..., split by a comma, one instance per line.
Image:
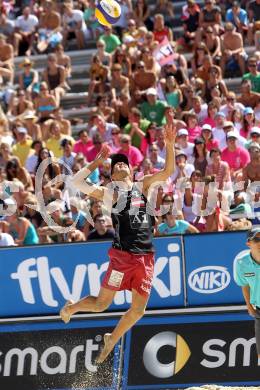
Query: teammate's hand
x=103, y=154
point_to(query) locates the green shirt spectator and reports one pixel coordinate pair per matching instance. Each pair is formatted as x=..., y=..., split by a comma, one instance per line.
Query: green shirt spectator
x=112, y=41
x=136, y=139
x=253, y=75
x=153, y=109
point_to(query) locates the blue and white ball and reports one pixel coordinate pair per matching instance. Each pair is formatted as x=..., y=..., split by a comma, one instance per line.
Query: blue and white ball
x=108, y=12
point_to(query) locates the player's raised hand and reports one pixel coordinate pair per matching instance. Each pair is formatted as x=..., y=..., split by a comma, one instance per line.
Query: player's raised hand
x=170, y=133
x=103, y=154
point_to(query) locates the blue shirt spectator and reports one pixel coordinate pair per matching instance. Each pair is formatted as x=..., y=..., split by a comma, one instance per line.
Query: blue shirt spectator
x=237, y=16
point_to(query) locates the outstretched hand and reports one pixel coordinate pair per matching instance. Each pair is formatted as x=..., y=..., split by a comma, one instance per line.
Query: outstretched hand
x=170, y=133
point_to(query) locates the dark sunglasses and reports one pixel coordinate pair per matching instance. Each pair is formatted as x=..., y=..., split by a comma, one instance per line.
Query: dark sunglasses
x=255, y=239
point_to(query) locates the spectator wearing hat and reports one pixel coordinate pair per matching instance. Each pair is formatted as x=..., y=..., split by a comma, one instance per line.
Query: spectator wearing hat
x=6, y=59
x=34, y=130
x=133, y=154
x=232, y=48
x=253, y=75
x=153, y=109
x=25, y=28
x=219, y=168
x=248, y=98
x=183, y=144
x=254, y=136
x=227, y=127
x=251, y=172
x=200, y=155
x=22, y=148
x=28, y=78
x=207, y=135
x=248, y=122
x=236, y=157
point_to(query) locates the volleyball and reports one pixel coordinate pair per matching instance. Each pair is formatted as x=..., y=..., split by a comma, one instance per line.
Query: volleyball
x=108, y=12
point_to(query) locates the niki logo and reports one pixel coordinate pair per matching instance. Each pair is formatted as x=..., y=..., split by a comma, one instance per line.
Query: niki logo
x=209, y=279
x=151, y=360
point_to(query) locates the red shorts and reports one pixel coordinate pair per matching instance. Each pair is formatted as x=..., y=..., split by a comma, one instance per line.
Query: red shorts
x=127, y=271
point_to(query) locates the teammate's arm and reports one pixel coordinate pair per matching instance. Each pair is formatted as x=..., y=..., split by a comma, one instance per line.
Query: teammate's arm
x=169, y=168
x=246, y=293
x=79, y=179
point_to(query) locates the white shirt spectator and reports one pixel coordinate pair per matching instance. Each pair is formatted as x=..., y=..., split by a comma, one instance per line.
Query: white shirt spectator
x=125, y=11
x=219, y=134
x=241, y=141
x=28, y=24
x=203, y=114
x=107, y=134
x=188, y=169
x=77, y=16
x=237, y=106
x=31, y=163
x=6, y=240
x=188, y=150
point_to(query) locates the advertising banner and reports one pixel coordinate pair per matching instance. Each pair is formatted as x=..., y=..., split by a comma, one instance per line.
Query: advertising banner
x=39, y=279
x=178, y=352
x=209, y=263
x=55, y=356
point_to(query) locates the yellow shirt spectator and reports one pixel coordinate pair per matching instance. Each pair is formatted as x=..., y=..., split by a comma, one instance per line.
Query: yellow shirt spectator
x=53, y=144
x=22, y=149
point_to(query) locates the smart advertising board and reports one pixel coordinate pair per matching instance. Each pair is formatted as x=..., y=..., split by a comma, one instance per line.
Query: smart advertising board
x=50, y=356
x=182, y=351
x=209, y=264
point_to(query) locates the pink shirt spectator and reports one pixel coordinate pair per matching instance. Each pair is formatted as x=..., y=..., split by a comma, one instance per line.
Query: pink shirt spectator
x=194, y=133
x=81, y=147
x=237, y=159
x=133, y=154
x=244, y=133
x=213, y=143
x=92, y=153
x=209, y=121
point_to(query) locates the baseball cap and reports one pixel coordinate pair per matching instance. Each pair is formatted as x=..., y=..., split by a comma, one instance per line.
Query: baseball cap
x=206, y=127
x=151, y=91
x=116, y=158
x=21, y=130
x=255, y=130
x=248, y=110
x=252, y=233
x=220, y=113
x=228, y=124
x=180, y=153
x=254, y=145
x=199, y=140
x=183, y=132
x=232, y=134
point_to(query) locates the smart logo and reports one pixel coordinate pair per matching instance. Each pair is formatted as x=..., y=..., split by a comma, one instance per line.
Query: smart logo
x=209, y=279
x=152, y=362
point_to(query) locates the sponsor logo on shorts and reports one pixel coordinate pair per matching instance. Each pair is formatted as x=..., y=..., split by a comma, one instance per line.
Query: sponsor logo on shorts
x=115, y=278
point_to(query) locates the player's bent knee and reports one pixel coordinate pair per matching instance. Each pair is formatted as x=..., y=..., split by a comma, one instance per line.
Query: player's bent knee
x=138, y=312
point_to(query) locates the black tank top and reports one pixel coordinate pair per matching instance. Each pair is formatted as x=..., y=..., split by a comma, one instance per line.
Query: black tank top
x=132, y=223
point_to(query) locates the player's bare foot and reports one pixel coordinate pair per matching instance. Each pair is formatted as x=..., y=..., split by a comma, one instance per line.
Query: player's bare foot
x=108, y=347
x=65, y=312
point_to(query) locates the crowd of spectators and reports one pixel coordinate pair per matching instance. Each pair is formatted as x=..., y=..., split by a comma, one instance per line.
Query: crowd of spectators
x=131, y=91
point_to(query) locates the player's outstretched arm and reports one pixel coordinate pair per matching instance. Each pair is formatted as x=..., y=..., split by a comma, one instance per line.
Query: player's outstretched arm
x=79, y=179
x=169, y=168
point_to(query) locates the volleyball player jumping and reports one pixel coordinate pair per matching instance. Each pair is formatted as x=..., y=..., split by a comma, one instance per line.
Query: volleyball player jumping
x=131, y=262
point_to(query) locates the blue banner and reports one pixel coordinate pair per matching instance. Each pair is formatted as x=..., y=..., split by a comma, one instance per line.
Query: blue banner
x=38, y=280
x=177, y=352
x=209, y=263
